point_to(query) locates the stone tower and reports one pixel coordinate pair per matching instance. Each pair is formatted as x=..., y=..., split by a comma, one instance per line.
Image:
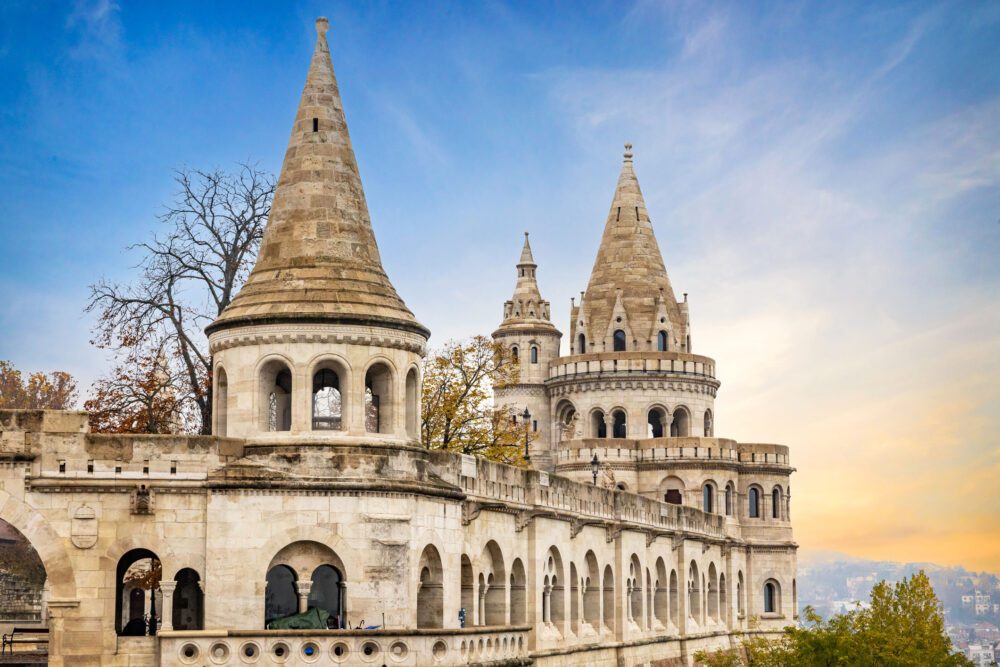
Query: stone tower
x=528, y=332
x=318, y=344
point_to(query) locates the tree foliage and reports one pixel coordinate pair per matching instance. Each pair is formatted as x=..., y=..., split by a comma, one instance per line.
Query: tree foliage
x=55, y=391
x=458, y=409
x=902, y=627
x=188, y=275
x=139, y=395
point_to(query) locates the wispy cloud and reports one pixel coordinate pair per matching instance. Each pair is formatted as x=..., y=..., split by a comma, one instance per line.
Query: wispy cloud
x=98, y=28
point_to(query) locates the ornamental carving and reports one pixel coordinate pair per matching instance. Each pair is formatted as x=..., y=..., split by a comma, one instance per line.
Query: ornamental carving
x=83, y=527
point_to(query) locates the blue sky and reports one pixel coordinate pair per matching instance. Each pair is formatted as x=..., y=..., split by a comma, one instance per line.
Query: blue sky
x=823, y=178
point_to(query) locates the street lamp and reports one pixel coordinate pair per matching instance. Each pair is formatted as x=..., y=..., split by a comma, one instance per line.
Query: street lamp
x=526, y=416
x=595, y=465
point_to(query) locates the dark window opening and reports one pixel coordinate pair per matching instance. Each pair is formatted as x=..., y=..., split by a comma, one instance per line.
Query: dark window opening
x=534, y=355
x=661, y=341
x=673, y=496
x=315, y=124
x=636, y=212
x=619, y=341
x=618, y=216
x=581, y=342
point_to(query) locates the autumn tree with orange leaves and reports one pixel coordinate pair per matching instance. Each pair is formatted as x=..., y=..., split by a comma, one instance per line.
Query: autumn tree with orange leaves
x=458, y=411
x=140, y=395
x=55, y=391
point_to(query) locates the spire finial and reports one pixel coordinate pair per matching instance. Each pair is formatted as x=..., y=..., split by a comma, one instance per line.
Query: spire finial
x=628, y=152
x=322, y=25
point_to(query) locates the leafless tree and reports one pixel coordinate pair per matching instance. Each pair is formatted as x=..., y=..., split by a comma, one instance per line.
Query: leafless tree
x=189, y=273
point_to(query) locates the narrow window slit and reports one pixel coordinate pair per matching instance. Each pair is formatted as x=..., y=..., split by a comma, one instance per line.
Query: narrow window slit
x=315, y=124
x=618, y=216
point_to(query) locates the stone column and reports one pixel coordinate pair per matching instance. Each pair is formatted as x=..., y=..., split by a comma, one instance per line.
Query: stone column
x=303, y=588
x=167, y=588
x=609, y=426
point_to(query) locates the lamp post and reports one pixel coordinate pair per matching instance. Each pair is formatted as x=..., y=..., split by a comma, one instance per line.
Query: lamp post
x=526, y=416
x=595, y=465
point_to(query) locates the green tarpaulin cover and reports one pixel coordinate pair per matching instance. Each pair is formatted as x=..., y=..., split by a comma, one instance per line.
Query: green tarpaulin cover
x=314, y=619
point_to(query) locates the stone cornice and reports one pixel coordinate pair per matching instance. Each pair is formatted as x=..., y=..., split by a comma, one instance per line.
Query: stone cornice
x=314, y=332
x=565, y=385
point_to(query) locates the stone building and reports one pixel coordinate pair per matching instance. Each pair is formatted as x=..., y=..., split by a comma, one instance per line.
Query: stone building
x=314, y=492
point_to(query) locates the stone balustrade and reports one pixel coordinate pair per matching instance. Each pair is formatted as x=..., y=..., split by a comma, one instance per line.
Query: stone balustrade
x=660, y=363
x=361, y=648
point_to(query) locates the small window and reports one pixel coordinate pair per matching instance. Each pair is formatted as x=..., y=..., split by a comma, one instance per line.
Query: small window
x=315, y=124
x=770, y=598
x=729, y=500
x=581, y=344
x=90, y=466
x=661, y=341
x=513, y=353
x=619, y=340
x=672, y=496
x=753, y=499
x=534, y=425
x=62, y=466
x=534, y=354
x=776, y=503
x=708, y=498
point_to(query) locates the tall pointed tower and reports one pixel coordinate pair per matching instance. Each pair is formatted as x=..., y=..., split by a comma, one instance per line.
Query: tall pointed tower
x=629, y=291
x=529, y=333
x=318, y=344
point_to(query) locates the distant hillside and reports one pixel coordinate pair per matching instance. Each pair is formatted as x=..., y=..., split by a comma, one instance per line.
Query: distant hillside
x=829, y=581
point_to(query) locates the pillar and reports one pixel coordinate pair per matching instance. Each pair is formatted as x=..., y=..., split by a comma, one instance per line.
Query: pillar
x=167, y=588
x=303, y=588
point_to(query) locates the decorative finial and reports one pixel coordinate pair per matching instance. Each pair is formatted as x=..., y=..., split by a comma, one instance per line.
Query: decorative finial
x=628, y=152
x=526, y=236
x=322, y=25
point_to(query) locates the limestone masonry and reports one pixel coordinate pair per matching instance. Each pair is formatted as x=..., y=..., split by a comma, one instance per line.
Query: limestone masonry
x=637, y=537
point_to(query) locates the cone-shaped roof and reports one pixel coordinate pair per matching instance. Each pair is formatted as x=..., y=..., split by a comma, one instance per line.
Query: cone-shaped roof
x=318, y=260
x=526, y=308
x=628, y=264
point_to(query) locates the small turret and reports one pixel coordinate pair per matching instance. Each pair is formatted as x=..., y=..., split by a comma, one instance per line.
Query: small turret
x=528, y=332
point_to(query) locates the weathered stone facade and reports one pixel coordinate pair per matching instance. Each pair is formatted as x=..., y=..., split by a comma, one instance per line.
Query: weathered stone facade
x=314, y=493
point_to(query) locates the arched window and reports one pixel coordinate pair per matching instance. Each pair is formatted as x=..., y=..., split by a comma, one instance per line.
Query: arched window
x=655, y=420
x=518, y=599
x=221, y=401
x=753, y=502
x=378, y=399
x=276, y=391
x=598, y=427
x=514, y=354
x=468, y=587
x=188, y=601
x=609, y=598
x=708, y=424
x=581, y=344
x=729, y=499
x=672, y=488
x=694, y=592
x=619, y=341
x=708, y=498
x=412, y=403
x=740, y=602
x=771, y=601
x=662, y=344
x=138, y=600
x=430, y=589
x=534, y=354
x=776, y=503
x=620, y=425
x=680, y=427
x=327, y=593
x=327, y=402
x=280, y=596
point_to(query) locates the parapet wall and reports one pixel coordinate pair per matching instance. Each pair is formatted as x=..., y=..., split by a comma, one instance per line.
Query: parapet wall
x=674, y=363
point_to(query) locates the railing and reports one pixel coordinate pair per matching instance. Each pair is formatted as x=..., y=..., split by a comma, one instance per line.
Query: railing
x=673, y=363
x=662, y=449
x=362, y=648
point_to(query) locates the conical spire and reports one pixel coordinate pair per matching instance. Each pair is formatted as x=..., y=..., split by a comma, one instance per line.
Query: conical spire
x=629, y=269
x=526, y=257
x=318, y=260
x=526, y=306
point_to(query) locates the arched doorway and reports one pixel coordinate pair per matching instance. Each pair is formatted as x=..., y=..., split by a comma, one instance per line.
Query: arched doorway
x=22, y=575
x=137, y=599
x=280, y=596
x=327, y=593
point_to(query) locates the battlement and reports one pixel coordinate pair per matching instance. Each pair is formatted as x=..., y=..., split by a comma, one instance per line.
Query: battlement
x=580, y=366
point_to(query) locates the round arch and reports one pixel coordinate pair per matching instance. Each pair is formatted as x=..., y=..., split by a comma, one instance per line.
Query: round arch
x=59, y=574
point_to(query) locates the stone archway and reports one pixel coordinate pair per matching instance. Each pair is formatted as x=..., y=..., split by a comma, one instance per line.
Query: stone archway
x=49, y=546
